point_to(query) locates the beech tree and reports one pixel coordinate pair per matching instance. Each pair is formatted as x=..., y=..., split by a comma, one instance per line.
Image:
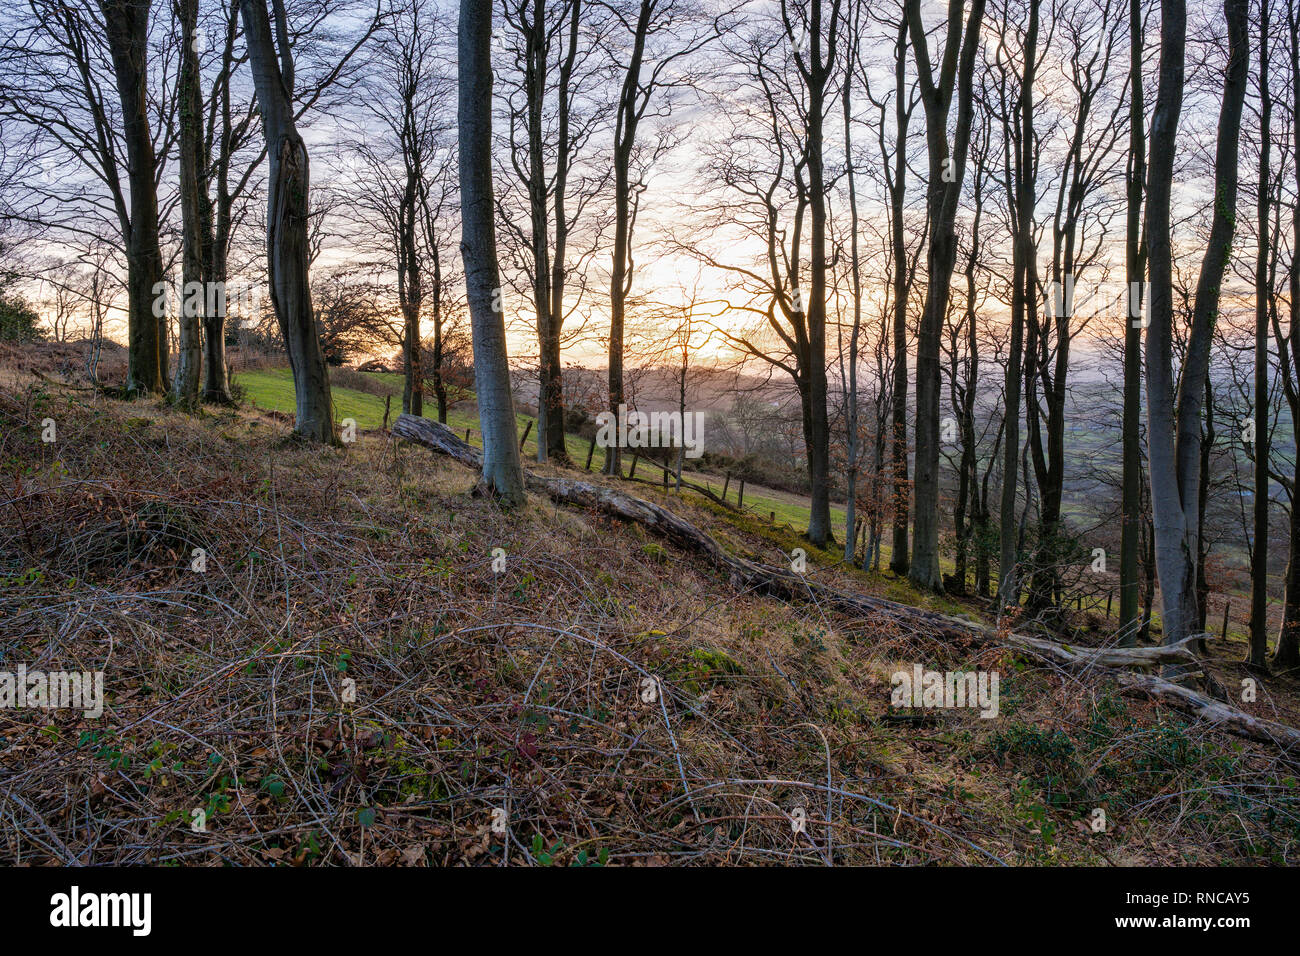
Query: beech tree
x=1079, y=228
x=1287, y=654
x=1174, y=422
x=1258, y=653
x=502, y=473
x=659, y=35
x=1020, y=155
x=902, y=269
x=775, y=164
x=55, y=67
x=185, y=386
x=401, y=152
x=947, y=169
x=1134, y=273
x=287, y=217
x=551, y=126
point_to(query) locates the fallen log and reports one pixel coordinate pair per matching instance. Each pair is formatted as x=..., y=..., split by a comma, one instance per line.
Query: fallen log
x=751, y=575
x=1226, y=718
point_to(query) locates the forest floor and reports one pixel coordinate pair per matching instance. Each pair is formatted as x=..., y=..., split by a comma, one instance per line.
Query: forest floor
x=348, y=679
x=271, y=389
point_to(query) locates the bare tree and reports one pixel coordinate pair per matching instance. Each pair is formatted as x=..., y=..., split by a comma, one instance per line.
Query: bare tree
x=849, y=380
x=185, y=385
x=776, y=164
x=502, y=473
x=1079, y=230
x=75, y=76
x=287, y=218
x=1174, y=429
x=1135, y=272
x=1287, y=654
x=398, y=148
x=1021, y=200
x=551, y=125
x=903, y=273
x=660, y=34
x=946, y=174
x=1258, y=654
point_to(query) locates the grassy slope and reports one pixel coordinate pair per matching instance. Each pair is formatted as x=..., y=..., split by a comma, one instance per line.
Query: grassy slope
x=479, y=688
x=272, y=390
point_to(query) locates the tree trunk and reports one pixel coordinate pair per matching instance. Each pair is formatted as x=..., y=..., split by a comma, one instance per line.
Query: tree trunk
x=620, y=281
x=898, y=559
x=946, y=174
x=1174, y=432
x=286, y=222
x=126, y=24
x=216, y=374
x=439, y=387
x=1287, y=654
x=1021, y=292
x=818, y=435
x=193, y=309
x=502, y=472
x=852, y=442
x=218, y=215
x=409, y=283
x=535, y=71
x=1135, y=269
x=1258, y=655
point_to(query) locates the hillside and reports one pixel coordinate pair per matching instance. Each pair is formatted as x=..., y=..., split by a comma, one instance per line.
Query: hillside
x=601, y=698
x=272, y=390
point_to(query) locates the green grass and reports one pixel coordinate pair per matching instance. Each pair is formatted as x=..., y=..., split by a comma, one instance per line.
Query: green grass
x=272, y=390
